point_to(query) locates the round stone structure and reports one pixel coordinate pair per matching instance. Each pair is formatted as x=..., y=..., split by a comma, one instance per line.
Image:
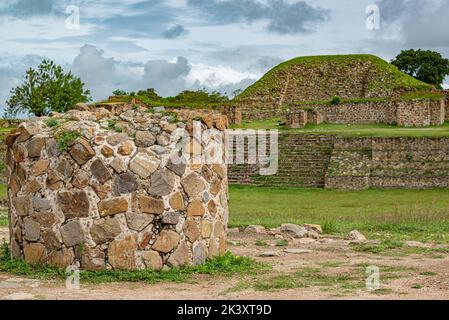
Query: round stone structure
x=121, y=186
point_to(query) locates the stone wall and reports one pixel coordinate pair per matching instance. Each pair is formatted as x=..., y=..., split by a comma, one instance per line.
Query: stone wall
x=313, y=161
x=109, y=188
x=303, y=161
x=413, y=113
x=361, y=163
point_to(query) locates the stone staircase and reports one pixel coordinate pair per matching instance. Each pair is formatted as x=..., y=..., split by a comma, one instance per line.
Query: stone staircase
x=303, y=161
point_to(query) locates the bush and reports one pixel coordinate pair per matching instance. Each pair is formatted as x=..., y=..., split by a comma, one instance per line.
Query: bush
x=336, y=100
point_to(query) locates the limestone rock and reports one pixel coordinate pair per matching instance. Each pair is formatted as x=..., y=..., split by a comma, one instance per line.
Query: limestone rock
x=297, y=251
x=145, y=139
x=107, y=151
x=51, y=145
x=166, y=241
x=171, y=218
x=117, y=139
x=72, y=234
x=81, y=151
x=35, y=253
x=206, y=229
x=138, y=221
x=41, y=204
x=32, y=229
x=356, y=236
x=195, y=208
x=314, y=227
x=113, y=206
x=180, y=257
x=104, y=231
x=122, y=253
x=177, y=201
x=100, y=171
x=74, y=204
x=152, y=260
x=22, y=204
x=33, y=186
x=219, y=229
x=215, y=186
x=193, y=185
x=125, y=183
x=34, y=147
x=62, y=258
x=255, y=229
x=294, y=230
x=92, y=259
x=198, y=254
x=118, y=165
x=177, y=164
x=143, y=165
x=161, y=183
x=150, y=205
x=65, y=168
x=191, y=230
x=126, y=148
x=39, y=167
x=51, y=240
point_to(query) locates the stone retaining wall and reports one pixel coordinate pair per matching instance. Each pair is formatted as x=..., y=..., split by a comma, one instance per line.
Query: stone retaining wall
x=413, y=113
x=361, y=163
x=108, y=188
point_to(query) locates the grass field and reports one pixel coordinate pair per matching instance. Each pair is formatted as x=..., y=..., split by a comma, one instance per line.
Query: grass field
x=356, y=130
x=401, y=214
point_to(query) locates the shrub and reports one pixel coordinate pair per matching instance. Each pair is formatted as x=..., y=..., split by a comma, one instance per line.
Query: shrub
x=335, y=100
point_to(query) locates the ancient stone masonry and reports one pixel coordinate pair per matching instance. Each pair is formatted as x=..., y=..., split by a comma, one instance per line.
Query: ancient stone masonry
x=361, y=163
x=326, y=161
x=108, y=187
x=412, y=113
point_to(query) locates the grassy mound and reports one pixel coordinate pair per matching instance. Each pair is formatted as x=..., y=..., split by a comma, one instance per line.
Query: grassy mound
x=321, y=77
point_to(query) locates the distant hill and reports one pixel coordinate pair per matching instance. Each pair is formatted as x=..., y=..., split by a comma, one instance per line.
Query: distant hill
x=323, y=77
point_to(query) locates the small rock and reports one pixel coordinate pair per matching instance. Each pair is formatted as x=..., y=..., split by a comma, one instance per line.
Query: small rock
x=255, y=229
x=166, y=241
x=171, y=218
x=297, y=251
x=356, y=236
x=269, y=254
x=113, y=206
x=294, y=230
x=313, y=227
x=152, y=260
x=81, y=151
x=145, y=139
x=143, y=165
x=162, y=183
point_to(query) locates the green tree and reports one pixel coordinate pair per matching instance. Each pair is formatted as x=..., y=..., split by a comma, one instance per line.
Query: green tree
x=425, y=65
x=46, y=89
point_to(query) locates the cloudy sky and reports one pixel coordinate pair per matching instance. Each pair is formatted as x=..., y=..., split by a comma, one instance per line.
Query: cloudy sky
x=225, y=45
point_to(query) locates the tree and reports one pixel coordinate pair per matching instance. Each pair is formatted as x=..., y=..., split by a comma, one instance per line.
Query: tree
x=425, y=65
x=46, y=89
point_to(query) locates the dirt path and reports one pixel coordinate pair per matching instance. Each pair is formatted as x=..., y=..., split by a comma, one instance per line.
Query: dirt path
x=402, y=276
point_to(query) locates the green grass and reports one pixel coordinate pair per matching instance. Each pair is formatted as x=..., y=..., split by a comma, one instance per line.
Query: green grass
x=66, y=138
x=3, y=218
x=403, y=214
x=225, y=265
x=383, y=74
x=355, y=130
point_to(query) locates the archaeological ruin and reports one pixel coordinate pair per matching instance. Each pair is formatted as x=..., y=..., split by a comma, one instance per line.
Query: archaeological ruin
x=118, y=187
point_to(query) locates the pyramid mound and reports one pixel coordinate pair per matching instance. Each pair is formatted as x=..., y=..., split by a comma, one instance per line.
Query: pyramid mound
x=323, y=77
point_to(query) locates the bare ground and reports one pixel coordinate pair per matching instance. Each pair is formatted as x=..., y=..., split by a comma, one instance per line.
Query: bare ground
x=403, y=275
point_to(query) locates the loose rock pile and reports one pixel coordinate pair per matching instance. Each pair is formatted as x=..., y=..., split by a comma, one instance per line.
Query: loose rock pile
x=108, y=187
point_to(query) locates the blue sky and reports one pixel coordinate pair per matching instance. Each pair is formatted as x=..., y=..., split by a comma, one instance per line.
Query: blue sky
x=224, y=45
